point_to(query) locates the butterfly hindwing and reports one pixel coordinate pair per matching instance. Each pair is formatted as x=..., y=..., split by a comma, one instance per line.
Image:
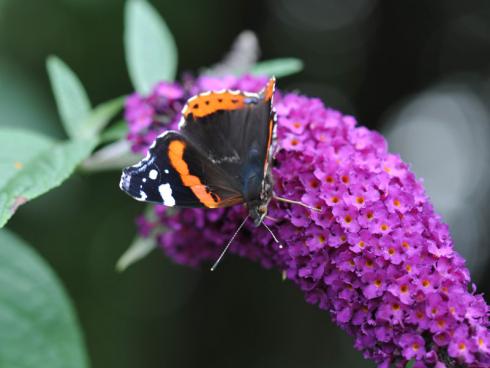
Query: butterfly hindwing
x=236, y=140
x=176, y=173
x=208, y=103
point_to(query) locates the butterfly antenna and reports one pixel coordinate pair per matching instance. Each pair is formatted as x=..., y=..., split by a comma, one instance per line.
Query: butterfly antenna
x=273, y=236
x=285, y=200
x=228, y=245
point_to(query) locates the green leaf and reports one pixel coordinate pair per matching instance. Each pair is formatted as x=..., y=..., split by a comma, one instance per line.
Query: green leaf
x=278, y=67
x=32, y=164
x=410, y=364
x=38, y=327
x=114, y=156
x=100, y=117
x=71, y=99
x=115, y=132
x=138, y=250
x=151, y=53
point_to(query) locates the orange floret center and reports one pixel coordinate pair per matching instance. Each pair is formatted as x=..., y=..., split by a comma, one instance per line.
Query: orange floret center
x=314, y=183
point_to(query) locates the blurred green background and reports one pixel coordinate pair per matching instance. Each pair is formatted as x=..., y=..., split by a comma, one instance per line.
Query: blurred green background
x=398, y=66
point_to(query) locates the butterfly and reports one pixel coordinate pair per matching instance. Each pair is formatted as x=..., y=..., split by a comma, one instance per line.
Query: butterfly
x=221, y=155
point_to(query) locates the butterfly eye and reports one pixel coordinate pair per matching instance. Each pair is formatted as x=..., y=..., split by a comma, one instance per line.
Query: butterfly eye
x=262, y=209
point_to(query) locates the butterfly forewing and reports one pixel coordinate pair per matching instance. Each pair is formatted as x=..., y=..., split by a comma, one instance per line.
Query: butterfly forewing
x=176, y=173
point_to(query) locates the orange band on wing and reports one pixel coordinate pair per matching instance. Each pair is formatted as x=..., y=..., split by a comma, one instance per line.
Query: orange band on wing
x=206, y=104
x=269, y=141
x=268, y=91
x=176, y=155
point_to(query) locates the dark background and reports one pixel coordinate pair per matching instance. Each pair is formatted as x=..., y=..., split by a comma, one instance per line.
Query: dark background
x=419, y=71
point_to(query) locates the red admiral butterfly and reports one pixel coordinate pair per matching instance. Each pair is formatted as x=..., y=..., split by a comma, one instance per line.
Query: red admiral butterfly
x=221, y=156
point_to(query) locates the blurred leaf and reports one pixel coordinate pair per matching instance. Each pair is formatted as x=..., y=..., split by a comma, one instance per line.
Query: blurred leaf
x=32, y=164
x=71, y=99
x=151, y=53
x=38, y=327
x=410, y=364
x=242, y=56
x=117, y=131
x=100, y=116
x=278, y=67
x=138, y=250
x=114, y=156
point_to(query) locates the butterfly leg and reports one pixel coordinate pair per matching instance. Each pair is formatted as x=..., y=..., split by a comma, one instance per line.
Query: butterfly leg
x=285, y=200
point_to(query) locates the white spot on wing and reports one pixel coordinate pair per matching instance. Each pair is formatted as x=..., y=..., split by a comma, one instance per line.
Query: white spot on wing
x=166, y=171
x=166, y=193
x=153, y=174
x=143, y=196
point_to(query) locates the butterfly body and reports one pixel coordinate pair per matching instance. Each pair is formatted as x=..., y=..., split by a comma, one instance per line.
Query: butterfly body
x=220, y=156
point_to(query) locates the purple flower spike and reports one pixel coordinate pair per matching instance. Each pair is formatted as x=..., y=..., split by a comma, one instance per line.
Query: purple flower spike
x=376, y=255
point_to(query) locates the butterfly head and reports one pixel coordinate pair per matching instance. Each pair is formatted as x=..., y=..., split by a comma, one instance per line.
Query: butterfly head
x=257, y=212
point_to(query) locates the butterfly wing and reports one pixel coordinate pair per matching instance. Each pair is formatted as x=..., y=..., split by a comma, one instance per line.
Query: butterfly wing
x=176, y=173
x=235, y=131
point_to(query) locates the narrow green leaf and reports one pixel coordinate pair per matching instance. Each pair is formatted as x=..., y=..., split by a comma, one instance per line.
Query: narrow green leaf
x=138, y=250
x=32, y=164
x=114, y=156
x=410, y=364
x=115, y=132
x=278, y=67
x=71, y=99
x=151, y=53
x=100, y=116
x=38, y=326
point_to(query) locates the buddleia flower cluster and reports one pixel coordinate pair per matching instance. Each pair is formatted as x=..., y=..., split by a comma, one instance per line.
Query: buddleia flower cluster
x=375, y=254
